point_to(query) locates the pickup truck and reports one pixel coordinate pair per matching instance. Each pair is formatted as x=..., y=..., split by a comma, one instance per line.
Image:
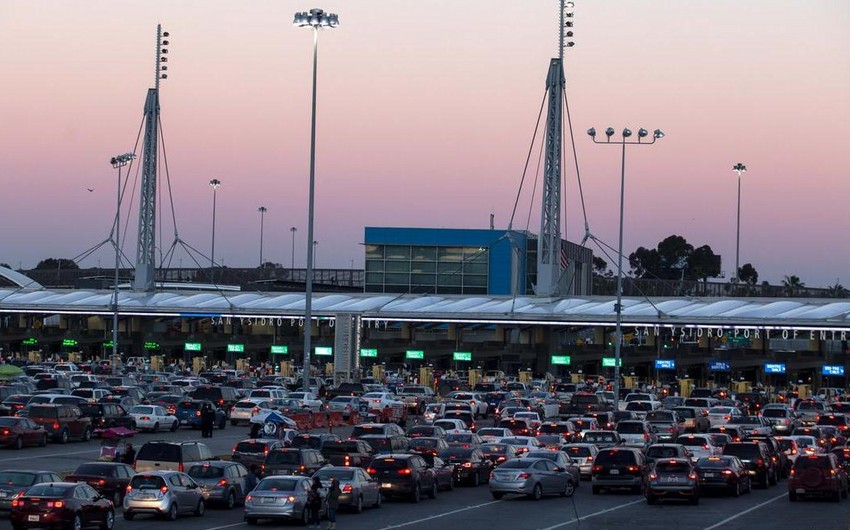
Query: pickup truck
x=810, y=410
x=347, y=389
x=416, y=398
x=583, y=402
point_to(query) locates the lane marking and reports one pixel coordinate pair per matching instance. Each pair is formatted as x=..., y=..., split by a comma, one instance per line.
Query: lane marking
x=438, y=516
x=225, y=526
x=594, y=514
x=53, y=455
x=756, y=507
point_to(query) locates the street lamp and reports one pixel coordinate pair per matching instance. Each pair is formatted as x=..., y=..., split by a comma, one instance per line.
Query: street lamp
x=262, y=210
x=293, y=230
x=315, y=19
x=315, y=252
x=618, y=307
x=738, y=168
x=214, y=183
x=117, y=163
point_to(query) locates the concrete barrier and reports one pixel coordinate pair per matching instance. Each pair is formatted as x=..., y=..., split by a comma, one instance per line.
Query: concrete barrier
x=319, y=421
x=303, y=421
x=335, y=419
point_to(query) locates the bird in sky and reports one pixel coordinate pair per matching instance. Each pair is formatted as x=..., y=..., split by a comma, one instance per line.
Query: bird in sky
x=90, y=189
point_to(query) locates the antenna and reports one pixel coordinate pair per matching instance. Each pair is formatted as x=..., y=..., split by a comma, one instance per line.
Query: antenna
x=161, y=50
x=565, y=26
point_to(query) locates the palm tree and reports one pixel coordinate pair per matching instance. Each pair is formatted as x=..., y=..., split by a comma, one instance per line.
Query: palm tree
x=792, y=284
x=837, y=290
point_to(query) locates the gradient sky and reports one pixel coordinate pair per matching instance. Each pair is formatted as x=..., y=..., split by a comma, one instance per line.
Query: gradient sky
x=426, y=111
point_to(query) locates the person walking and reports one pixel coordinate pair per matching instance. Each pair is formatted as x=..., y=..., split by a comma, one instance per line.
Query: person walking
x=207, y=420
x=333, y=503
x=314, y=502
x=129, y=455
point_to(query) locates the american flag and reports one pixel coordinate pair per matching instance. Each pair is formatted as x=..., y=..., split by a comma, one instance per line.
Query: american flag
x=565, y=260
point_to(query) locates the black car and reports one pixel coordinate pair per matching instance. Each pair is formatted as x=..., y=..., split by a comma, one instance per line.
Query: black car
x=725, y=473
x=756, y=458
x=107, y=415
x=290, y=461
x=110, y=479
x=252, y=452
x=62, y=504
x=471, y=467
x=777, y=454
x=498, y=452
x=348, y=453
x=427, y=445
x=444, y=472
x=313, y=441
x=404, y=475
x=673, y=478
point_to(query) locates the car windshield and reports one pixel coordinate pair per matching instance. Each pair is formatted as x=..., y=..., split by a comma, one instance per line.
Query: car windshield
x=283, y=457
x=659, y=416
x=687, y=413
x=577, y=451
x=810, y=405
x=615, y=457
x=276, y=484
x=745, y=420
x=742, y=451
x=627, y=427
x=147, y=482
x=714, y=462
x=98, y=470
x=785, y=444
x=16, y=478
x=47, y=490
x=205, y=471
x=599, y=437
x=310, y=442
x=360, y=430
x=139, y=409
x=159, y=452
x=692, y=441
x=516, y=463
x=494, y=449
x=389, y=463
x=250, y=447
x=8, y=422
x=668, y=467
x=808, y=462
x=548, y=455
x=459, y=438
x=832, y=419
x=662, y=452
x=339, y=474
x=424, y=442
x=455, y=453
x=774, y=413
x=340, y=447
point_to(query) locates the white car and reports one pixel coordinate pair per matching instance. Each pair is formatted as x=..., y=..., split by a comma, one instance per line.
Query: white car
x=452, y=426
x=699, y=445
x=636, y=396
x=242, y=411
x=522, y=444
x=722, y=415
x=433, y=412
x=308, y=400
x=494, y=434
x=479, y=406
x=807, y=445
x=532, y=418
x=153, y=418
x=381, y=400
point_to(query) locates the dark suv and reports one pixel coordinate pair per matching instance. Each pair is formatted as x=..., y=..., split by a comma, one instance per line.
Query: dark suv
x=62, y=422
x=349, y=453
x=817, y=475
x=619, y=468
x=223, y=397
x=107, y=415
x=404, y=475
x=253, y=452
x=756, y=458
x=291, y=461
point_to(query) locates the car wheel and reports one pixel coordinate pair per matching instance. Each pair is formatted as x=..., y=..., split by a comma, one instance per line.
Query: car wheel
x=378, y=501
x=415, y=495
x=231, y=500
x=736, y=491
x=43, y=442
x=234, y=423
x=433, y=493
x=87, y=434
x=792, y=496
x=172, y=512
x=155, y=427
x=202, y=507
x=110, y=520
x=569, y=489
x=497, y=495
x=476, y=480
x=358, y=506
x=63, y=436
x=174, y=426
x=77, y=523
x=537, y=492
x=596, y=490
x=19, y=443
x=128, y=516
x=116, y=498
x=651, y=500
x=251, y=520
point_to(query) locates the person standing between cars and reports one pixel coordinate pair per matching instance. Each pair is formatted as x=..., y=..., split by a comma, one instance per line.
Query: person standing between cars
x=314, y=502
x=333, y=503
x=207, y=420
x=129, y=455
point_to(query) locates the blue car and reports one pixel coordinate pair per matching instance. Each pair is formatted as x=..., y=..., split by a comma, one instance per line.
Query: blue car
x=189, y=413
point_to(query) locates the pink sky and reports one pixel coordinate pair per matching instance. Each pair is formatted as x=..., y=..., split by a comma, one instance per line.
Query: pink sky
x=426, y=110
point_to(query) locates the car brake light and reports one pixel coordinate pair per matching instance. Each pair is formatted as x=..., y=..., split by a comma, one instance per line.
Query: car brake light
x=180, y=467
x=55, y=426
x=163, y=490
x=646, y=436
x=222, y=483
x=347, y=488
x=248, y=497
x=372, y=471
x=597, y=469
x=524, y=475
x=692, y=475
x=129, y=488
x=633, y=468
x=727, y=471
x=760, y=462
x=467, y=464
x=255, y=410
x=500, y=459
x=5, y=432
x=405, y=471
x=653, y=476
x=55, y=504
x=302, y=468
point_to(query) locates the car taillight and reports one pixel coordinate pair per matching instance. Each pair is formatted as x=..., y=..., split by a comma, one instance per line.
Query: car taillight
x=255, y=410
x=101, y=482
x=705, y=446
x=793, y=472
x=500, y=459
x=372, y=471
x=692, y=475
x=302, y=468
x=347, y=488
x=467, y=464
x=597, y=469
x=646, y=436
x=653, y=476
x=524, y=475
x=249, y=498
x=221, y=402
x=222, y=483
x=55, y=504
x=180, y=467
x=405, y=471
x=727, y=471
x=670, y=429
x=129, y=488
x=163, y=490
x=5, y=432
x=55, y=426
x=760, y=462
x=633, y=469
x=145, y=418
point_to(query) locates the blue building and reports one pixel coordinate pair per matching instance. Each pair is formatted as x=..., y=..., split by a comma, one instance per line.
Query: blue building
x=463, y=261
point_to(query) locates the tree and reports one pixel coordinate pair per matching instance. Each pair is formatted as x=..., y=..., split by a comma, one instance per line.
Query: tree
x=5, y=265
x=837, y=290
x=703, y=264
x=792, y=284
x=675, y=258
x=600, y=267
x=748, y=274
x=271, y=265
x=644, y=263
x=57, y=263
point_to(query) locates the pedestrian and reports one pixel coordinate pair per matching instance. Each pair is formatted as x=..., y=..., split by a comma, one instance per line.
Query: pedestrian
x=207, y=420
x=314, y=502
x=252, y=478
x=129, y=455
x=333, y=503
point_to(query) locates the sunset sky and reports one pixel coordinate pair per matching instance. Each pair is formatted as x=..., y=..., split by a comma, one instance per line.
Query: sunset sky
x=426, y=113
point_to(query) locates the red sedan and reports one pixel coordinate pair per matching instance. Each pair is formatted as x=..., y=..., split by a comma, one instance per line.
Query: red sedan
x=18, y=432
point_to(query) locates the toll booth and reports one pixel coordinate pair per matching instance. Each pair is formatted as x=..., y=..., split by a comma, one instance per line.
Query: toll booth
x=525, y=376
x=329, y=369
x=474, y=378
x=74, y=357
x=286, y=369
x=629, y=381
x=156, y=363
x=378, y=372
x=34, y=356
x=426, y=376
x=197, y=364
x=685, y=387
x=577, y=378
x=241, y=365
x=804, y=390
x=741, y=386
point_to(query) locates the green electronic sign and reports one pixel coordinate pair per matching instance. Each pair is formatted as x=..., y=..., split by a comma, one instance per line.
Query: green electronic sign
x=69, y=342
x=280, y=350
x=108, y=344
x=561, y=359
x=414, y=354
x=368, y=352
x=32, y=341
x=462, y=356
x=151, y=345
x=192, y=346
x=236, y=348
x=325, y=351
x=608, y=362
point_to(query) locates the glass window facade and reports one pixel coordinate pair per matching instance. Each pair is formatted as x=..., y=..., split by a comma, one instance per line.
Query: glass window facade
x=427, y=269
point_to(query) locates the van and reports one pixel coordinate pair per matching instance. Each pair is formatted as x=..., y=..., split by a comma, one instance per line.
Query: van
x=223, y=397
x=269, y=393
x=161, y=455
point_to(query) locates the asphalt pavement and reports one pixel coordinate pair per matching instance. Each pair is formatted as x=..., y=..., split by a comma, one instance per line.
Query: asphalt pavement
x=468, y=508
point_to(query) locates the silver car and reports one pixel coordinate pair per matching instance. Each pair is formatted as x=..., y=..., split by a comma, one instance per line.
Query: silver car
x=584, y=454
x=358, y=488
x=222, y=482
x=534, y=477
x=280, y=497
x=163, y=493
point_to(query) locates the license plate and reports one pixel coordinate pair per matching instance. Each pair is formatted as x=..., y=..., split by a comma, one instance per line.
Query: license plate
x=671, y=480
x=386, y=485
x=710, y=475
x=268, y=500
x=3, y=494
x=146, y=496
x=801, y=491
x=614, y=472
x=32, y=518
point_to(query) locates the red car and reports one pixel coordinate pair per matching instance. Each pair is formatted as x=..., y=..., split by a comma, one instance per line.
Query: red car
x=109, y=479
x=18, y=432
x=817, y=475
x=62, y=504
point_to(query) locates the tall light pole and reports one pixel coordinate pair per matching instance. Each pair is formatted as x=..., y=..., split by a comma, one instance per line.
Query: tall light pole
x=315, y=19
x=618, y=307
x=117, y=162
x=293, y=230
x=738, y=168
x=315, y=252
x=262, y=210
x=214, y=184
